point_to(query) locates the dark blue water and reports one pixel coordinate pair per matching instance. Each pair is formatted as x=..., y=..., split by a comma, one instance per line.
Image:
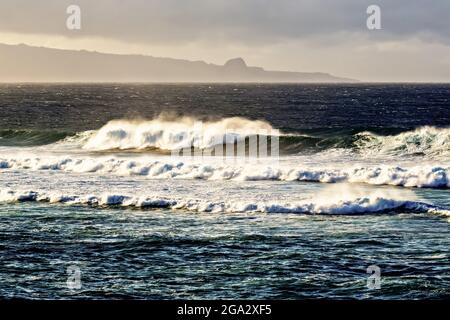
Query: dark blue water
x=167, y=255
x=73, y=108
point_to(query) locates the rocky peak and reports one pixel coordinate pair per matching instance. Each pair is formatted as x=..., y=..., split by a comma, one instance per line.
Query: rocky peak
x=236, y=63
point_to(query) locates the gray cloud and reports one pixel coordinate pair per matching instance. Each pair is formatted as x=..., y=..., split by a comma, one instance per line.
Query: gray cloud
x=252, y=22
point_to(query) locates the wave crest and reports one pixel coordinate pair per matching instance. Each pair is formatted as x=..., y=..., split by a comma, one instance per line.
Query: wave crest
x=424, y=141
x=175, y=134
x=428, y=142
x=424, y=176
x=357, y=206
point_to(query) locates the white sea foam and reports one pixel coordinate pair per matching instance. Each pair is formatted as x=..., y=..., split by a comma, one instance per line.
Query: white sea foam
x=421, y=176
x=182, y=132
x=373, y=204
x=174, y=133
x=169, y=134
x=428, y=141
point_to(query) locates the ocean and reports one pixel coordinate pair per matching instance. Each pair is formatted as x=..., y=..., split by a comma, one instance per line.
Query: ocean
x=95, y=204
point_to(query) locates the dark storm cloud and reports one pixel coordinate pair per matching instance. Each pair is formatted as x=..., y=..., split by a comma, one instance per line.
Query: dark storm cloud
x=232, y=21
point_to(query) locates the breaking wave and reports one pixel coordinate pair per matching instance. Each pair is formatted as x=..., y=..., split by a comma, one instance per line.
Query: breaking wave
x=185, y=132
x=165, y=133
x=424, y=141
x=357, y=206
x=170, y=135
x=188, y=132
x=421, y=176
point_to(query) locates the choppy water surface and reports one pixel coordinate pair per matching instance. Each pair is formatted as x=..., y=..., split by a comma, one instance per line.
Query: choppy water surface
x=363, y=179
x=166, y=254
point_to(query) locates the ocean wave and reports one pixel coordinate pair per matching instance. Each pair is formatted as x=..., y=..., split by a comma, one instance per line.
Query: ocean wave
x=183, y=132
x=21, y=138
x=189, y=132
x=424, y=141
x=174, y=133
x=356, y=206
x=421, y=176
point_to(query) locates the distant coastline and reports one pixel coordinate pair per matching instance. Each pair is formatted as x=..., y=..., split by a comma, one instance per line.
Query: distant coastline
x=23, y=63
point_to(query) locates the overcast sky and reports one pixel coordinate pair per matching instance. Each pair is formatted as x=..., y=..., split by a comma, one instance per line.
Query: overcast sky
x=296, y=35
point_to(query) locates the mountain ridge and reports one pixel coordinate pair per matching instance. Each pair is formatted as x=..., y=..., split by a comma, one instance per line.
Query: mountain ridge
x=24, y=63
